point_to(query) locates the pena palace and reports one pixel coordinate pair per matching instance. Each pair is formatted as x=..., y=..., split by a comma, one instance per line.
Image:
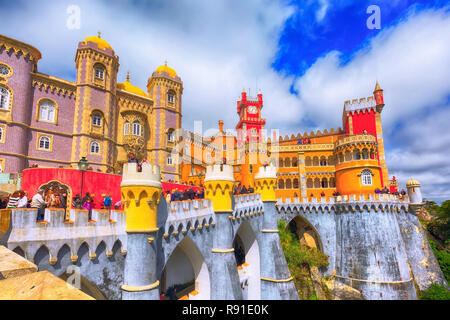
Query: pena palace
x=47, y=122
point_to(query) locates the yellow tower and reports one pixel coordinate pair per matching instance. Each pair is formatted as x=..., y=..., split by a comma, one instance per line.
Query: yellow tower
x=219, y=183
x=141, y=192
x=265, y=182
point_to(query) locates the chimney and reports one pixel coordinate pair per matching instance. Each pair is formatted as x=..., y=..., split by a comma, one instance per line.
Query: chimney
x=221, y=125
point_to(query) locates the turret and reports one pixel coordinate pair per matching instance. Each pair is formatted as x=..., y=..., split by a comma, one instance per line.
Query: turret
x=141, y=192
x=378, y=94
x=219, y=184
x=265, y=182
x=414, y=192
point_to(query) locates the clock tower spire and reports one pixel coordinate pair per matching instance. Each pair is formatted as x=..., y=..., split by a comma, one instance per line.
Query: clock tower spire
x=250, y=123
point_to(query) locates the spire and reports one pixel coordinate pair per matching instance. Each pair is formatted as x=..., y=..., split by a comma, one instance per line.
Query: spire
x=128, y=76
x=377, y=87
x=99, y=34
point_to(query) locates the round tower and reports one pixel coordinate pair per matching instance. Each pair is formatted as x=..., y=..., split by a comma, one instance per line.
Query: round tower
x=141, y=192
x=95, y=117
x=219, y=184
x=165, y=88
x=414, y=192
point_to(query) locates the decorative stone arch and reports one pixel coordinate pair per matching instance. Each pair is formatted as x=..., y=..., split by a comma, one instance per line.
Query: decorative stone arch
x=281, y=184
x=304, y=229
x=317, y=183
x=295, y=183
x=187, y=249
x=315, y=161
x=294, y=162
x=288, y=184
x=324, y=183
x=61, y=187
x=323, y=161
x=252, y=263
x=281, y=163
x=356, y=154
x=348, y=155
x=332, y=182
x=309, y=183
x=365, y=154
x=287, y=162
x=308, y=161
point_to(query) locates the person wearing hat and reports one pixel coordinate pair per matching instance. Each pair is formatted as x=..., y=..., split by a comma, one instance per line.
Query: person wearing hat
x=39, y=203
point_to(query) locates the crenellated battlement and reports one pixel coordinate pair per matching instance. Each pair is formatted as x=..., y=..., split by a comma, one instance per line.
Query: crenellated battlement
x=54, y=231
x=358, y=104
x=267, y=172
x=219, y=173
x=149, y=176
x=247, y=206
x=190, y=215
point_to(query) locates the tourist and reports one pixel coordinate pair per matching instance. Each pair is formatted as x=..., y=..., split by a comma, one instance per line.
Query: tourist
x=63, y=200
x=107, y=201
x=13, y=199
x=23, y=201
x=77, y=202
x=39, y=203
x=377, y=191
x=88, y=206
x=168, y=196
x=191, y=194
x=403, y=193
x=132, y=159
x=243, y=190
x=86, y=198
x=118, y=205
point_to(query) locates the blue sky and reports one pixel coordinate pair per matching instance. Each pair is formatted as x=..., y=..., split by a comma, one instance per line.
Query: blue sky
x=307, y=57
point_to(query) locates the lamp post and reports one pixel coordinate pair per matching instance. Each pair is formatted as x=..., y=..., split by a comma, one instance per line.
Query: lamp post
x=83, y=165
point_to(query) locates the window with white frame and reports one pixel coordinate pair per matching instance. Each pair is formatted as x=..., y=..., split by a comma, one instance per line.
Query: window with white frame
x=44, y=143
x=99, y=72
x=97, y=120
x=95, y=147
x=137, y=128
x=126, y=128
x=4, y=98
x=170, y=136
x=171, y=97
x=169, y=160
x=2, y=133
x=366, y=177
x=4, y=70
x=47, y=111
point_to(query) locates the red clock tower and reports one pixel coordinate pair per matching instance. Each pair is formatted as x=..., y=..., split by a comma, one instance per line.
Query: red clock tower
x=250, y=125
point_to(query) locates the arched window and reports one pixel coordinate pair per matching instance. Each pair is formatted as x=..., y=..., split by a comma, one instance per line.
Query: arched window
x=170, y=136
x=288, y=184
x=287, y=162
x=95, y=147
x=295, y=162
x=356, y=154
x=324, y=183
x=348, y=155
x=4, y=70
x=295, y=183
x=44, y=143
x=323, y=161
x=308, y=161
x=169, y=160
x=366, y=177
x=47, y=111
x=316, y=183
x=332, y=183
x=316, y=161
x=171, y=97
x=280, y=184
x=137, y=128
x=331, y=161
x=341, y=157
x=372, y=154
x=126, y=128
x=365, y=154
x=281, y=165
x=99, y=71
x=96, y=119
x=4, y=98
x=309, y=183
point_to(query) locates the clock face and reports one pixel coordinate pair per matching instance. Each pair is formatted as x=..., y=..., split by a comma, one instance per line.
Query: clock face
x=252, y=110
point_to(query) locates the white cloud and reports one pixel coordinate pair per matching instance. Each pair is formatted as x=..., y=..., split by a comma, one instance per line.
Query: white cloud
x=322, y=11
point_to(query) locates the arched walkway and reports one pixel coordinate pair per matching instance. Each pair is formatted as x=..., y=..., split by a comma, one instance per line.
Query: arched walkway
x=186, y=267
x=248, y=261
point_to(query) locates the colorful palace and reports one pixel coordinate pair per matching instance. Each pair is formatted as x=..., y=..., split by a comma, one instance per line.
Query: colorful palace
x=46, y=122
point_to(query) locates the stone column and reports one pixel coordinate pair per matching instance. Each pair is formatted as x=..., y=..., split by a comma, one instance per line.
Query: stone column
x=141, y=193
x=225, y=279
x=276, y=280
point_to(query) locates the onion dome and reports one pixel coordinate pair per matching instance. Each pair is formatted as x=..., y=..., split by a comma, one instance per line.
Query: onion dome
x=167, y=69
x=127, y=86
x=102, y=44
x=413, y=183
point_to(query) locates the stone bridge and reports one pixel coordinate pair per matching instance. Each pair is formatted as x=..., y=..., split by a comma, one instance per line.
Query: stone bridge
x=228, y=244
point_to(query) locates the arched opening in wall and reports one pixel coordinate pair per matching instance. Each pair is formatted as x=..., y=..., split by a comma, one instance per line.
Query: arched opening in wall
x=316, y=161
x=372, y=154
x=316, y=183
x=287, y=162
x=308, y=161
x=19, y=251
x=309, y=183
x=295, y=162
x=348, y=155
x=356, y=154
x=281, y=163
x=82, y=284
x=281, y=184
x=305, y=233
x=341, y=157
x=365, y=154
x=288, y=184
x=295, y=183
x=332, y=183
x=54, y=188
x=246, y=251
x=323, y=161
x=331, y=161
x=185, y=273
x=324, y=183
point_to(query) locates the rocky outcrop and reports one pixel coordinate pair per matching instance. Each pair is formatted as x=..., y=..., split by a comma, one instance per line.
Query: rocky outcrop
x=340, y=291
